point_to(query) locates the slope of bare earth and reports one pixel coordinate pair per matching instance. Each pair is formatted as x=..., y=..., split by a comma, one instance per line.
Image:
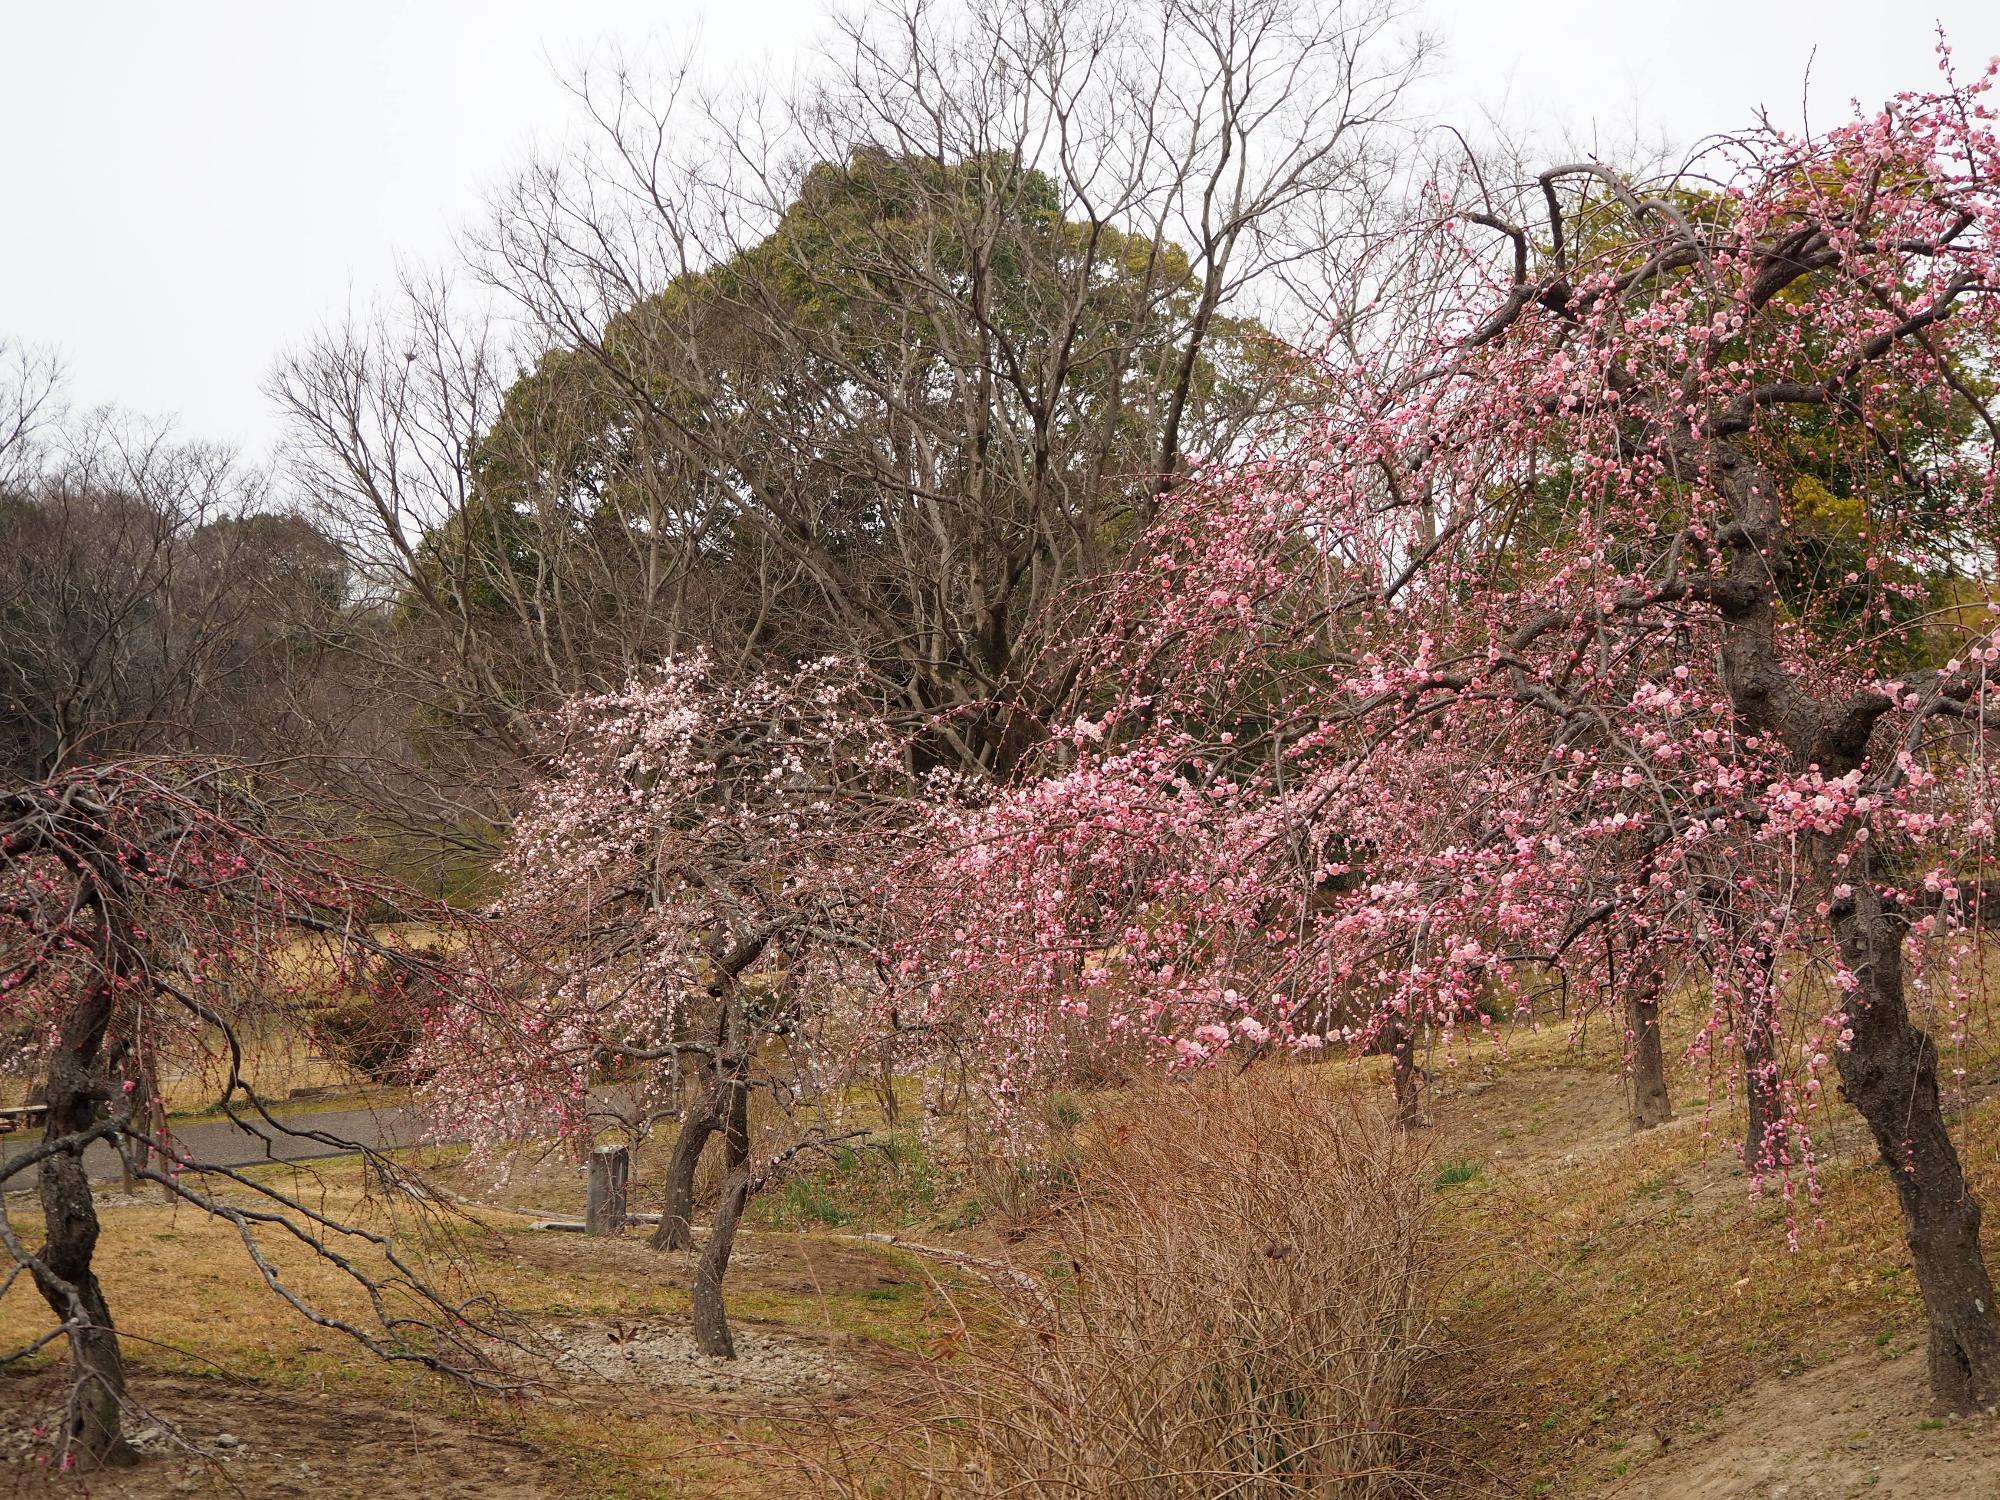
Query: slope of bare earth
x=1858, y=1426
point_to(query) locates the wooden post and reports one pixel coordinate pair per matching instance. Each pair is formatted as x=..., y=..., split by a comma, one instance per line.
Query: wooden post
x=609, y=1168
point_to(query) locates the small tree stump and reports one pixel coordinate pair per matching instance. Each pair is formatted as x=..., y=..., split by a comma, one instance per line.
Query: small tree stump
x=610, y=1166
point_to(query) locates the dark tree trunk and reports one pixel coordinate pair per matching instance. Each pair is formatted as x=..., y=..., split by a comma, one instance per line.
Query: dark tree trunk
x=92, y=1435
x=1651, y=1103
x=1888, y=1070
x=1401, y=1040
x=736, y=1131
x=703, y=1119
x=1760, y=1072
x=724, y=1106
x=1889, y=1074
x=1760, y=1087
x=711, y=1321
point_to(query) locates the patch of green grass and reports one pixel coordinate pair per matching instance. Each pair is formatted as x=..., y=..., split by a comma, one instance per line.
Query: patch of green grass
x=1452, y=1174
x=891, y=1181
x=805, y=1201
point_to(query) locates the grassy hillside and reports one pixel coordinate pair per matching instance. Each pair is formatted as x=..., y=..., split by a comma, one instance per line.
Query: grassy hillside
x=1620, y=1316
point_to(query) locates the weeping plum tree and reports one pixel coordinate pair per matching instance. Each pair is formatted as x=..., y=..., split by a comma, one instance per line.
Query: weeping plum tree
x=150, y=913
x=700, y=870
x=1625, y=621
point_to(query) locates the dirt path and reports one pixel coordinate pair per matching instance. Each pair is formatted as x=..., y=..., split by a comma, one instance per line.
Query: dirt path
x=241, y=1440
x=224, y=1143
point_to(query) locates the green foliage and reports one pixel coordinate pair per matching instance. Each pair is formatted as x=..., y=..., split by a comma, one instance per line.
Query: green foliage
x=893, y=1181
x=1454, y=1174
x=803, y=1202
x=916, y=344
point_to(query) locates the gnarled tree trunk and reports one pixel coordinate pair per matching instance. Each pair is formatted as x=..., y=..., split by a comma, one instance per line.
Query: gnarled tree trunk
x=1889, y=1074
x=711, y=1322
x=93, y=1435
x=704, y=1117
x=724, y=1106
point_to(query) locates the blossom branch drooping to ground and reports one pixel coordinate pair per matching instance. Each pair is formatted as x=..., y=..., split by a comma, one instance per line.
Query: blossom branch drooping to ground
x=1631, y=631
x=154, y=914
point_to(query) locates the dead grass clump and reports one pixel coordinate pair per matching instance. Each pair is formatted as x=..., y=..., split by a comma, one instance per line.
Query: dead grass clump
x=1239, y=1304
x=1023, y=1172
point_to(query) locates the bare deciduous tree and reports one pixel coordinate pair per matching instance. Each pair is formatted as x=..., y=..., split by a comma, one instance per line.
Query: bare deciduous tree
x=888, y=365
x=150, y=599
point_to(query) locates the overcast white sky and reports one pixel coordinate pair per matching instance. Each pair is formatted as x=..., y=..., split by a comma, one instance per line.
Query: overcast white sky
x=188, y=188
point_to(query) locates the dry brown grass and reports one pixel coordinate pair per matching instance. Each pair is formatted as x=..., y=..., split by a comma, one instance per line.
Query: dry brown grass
x=279, y=1057
x=191, y=1308
x=1238, y=1302
x=1608, y=1296
x=1618, y=1291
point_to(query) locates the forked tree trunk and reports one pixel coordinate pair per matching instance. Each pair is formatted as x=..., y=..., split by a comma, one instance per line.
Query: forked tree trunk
x=92, y=1437
x=724, y=1106
x=1889, y=1074
x=1651, y=1103
x=711, y=1321
x=702, y=1120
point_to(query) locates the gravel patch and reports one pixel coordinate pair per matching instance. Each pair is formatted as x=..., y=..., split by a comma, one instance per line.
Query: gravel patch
x=768, y=1363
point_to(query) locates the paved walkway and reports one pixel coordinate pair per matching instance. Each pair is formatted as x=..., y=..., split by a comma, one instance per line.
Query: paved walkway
x=223, y=1143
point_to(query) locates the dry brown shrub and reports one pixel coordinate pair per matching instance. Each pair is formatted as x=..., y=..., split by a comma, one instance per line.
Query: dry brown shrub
x=1023, y=1173
x=1239, y=1303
